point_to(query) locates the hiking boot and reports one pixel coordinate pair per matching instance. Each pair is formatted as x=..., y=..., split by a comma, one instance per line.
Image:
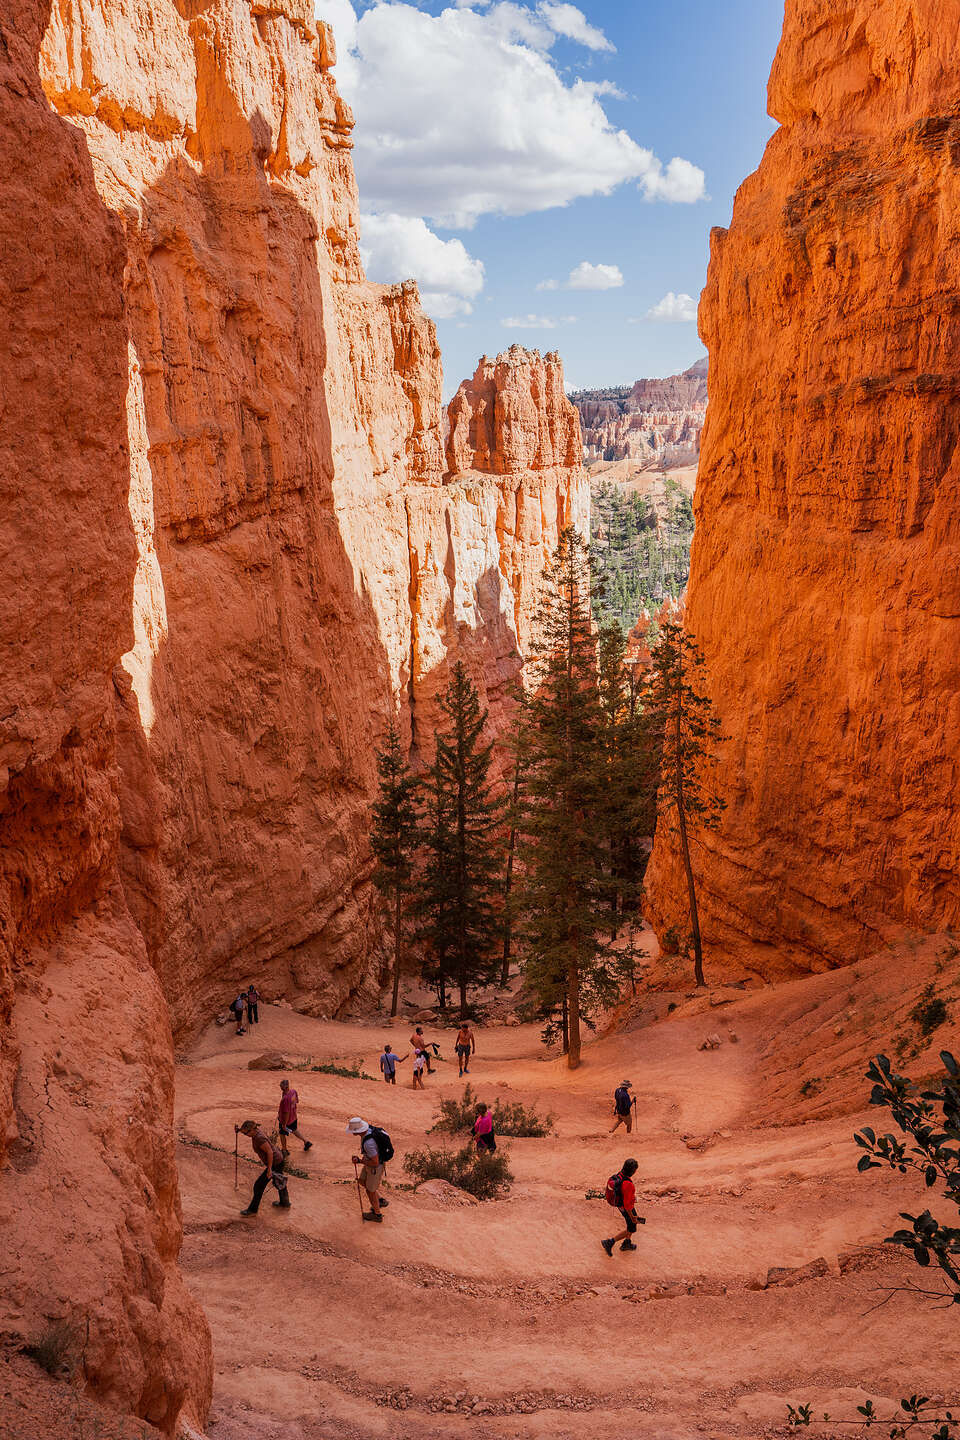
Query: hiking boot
x=369, y=1215
x=248, y=1212
x=608, y=1246
x=628, y=1245
x=308, y=1145
x=285, y=1205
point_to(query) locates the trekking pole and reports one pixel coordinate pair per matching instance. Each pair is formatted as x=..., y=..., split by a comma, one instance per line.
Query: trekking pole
x=236, y=1158
x=359, y=1196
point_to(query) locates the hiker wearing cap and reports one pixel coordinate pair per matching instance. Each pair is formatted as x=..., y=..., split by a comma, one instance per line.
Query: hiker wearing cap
x=287, y=1117
x=623, y=1107
x=621, y=1193
x=273, y=1162
x=388, y=1064
x=375, y=1151
x=238, y=1007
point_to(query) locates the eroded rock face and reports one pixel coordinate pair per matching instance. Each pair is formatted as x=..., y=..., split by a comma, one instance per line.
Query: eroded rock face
x=88, y=1195
x=654, y=422
x=825, y=586
x=234, y=548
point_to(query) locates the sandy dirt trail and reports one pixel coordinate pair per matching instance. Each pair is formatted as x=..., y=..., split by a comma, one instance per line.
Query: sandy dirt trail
x=325, y=1326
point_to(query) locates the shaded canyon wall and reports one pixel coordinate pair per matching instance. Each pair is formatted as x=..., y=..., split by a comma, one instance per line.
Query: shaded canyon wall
x=236, y=544
x=825, y=584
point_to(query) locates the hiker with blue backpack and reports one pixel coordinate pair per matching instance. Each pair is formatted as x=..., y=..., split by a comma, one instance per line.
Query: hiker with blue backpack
x=376, y=1150
x=621, y=1193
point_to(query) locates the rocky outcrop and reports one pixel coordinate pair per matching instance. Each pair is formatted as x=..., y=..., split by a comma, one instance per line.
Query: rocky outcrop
x=825, y=586
x=234, y=548
x=655, y=422
x=88, y=1193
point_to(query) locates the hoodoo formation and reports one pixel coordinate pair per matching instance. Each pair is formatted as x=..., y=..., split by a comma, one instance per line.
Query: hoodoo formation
x=825, y=581
x=258, y=554
x=653, y=422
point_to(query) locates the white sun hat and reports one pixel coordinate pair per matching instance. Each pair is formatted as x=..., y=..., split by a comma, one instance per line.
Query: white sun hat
x=356, y=1126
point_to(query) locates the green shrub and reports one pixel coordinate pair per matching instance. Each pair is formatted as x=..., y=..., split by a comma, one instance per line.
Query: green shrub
x=478, y=1172
x=56, y=1348
x=509, y=1117
x=346, y=1072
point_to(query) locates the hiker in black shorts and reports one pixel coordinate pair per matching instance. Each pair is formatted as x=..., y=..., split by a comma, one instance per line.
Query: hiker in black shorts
x=466, y=1046
x=621, y=1193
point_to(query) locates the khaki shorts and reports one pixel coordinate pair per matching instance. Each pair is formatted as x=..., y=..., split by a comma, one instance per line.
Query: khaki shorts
x=371, y=1177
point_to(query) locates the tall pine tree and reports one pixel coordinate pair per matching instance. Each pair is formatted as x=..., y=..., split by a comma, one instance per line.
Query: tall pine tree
x=688, y=732
x=562, y=838
x=463, y=878
x=394, y=838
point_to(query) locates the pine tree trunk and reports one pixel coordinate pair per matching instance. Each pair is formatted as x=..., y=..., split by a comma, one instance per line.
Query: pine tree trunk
x=685, y=847
x=565, y=1024
x=507, y=920
x=395, y=1003
x=694, y=913
x=573, y=990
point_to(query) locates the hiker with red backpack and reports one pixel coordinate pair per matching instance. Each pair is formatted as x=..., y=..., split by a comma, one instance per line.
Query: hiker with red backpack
x=376, y=1150
x=621, y=1193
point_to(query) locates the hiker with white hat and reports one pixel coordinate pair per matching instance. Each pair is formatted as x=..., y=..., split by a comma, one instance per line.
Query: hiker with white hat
x=375, y=1151
x=623, y=1106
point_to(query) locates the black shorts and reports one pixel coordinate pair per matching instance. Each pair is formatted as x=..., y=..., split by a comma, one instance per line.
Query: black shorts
x=464, y=1051
x=287, y=1129
x=629, y=1221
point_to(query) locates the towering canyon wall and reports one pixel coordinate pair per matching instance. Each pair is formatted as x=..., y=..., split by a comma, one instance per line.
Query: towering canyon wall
x=236, y=546
x=825, y=586
x=654, y=422
x=88, y=1193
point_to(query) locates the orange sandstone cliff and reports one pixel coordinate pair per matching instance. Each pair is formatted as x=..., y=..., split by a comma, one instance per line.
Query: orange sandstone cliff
x=825, y=584
x=235, y=544
x=89, y=1209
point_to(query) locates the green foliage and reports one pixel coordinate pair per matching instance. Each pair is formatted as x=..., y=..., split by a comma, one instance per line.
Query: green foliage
x=510, y=1118
x=562, y=837
x=681, y=716
x=480, y=1173
x=394, y=838
x=56, y=1348
x=930, y=1122
x=346, y=1072
x=462, y=880
x=640, y=559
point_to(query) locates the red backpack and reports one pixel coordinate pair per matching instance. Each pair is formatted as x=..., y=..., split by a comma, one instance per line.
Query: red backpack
x=614, y=1191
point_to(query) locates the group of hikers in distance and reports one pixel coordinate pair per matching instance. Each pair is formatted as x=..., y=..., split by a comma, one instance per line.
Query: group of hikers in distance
x=420, y=1048
x=376, y=1147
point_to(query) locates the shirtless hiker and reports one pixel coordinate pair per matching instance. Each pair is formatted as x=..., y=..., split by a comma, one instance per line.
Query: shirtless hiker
x=421, y=1046
x=466, y=1046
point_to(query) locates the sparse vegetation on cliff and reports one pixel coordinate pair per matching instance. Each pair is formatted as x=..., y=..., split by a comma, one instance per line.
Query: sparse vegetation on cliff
x=640, y=557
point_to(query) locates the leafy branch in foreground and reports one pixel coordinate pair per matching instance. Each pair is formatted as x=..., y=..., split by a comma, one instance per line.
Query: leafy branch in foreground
x=929, y=1121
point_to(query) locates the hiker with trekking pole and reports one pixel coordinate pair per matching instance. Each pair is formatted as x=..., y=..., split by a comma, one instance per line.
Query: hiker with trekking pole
x=376, y=1150
x=624, y=1105
x=621, y=1193
x=273, y=1161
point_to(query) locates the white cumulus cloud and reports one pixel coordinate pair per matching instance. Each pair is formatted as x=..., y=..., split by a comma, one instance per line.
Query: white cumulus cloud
x=537, y=322
x=570, y=22
x=595, y=277
x=401, y=247
x=464, y=113
x=679, y=308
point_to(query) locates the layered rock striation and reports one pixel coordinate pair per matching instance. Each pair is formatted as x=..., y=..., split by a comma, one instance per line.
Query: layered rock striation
x=656, y=423
x=825, y=584
x=237, y=544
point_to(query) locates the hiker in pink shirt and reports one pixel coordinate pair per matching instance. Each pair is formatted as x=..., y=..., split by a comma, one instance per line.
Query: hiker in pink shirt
x=483, y=1130
x=287, y=1117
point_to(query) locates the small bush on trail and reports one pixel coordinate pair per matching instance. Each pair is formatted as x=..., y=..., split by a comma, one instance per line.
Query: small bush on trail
x=346, y=1072
x=56, y=1348
x=510, y=1118
x=479, y=1173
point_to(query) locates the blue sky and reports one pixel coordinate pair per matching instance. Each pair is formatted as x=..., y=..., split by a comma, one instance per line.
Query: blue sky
x=482, y=128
